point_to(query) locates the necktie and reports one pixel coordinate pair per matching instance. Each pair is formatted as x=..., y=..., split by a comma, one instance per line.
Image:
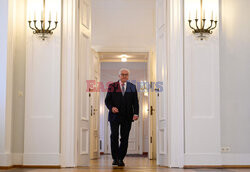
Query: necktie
x=123, y=89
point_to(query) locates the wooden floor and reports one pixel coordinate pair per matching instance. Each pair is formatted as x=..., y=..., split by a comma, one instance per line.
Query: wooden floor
x=133, y=164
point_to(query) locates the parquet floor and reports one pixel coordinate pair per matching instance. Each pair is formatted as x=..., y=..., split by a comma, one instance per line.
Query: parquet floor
x=133, y=164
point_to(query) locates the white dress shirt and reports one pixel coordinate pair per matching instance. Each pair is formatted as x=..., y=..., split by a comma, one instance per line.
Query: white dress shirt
x=125, y=85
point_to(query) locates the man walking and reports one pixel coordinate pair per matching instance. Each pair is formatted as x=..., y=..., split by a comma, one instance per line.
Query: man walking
x=122, y=102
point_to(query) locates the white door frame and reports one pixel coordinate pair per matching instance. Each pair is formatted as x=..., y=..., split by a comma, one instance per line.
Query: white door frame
x=68, y=87
x=175, y=44
x=175, y=84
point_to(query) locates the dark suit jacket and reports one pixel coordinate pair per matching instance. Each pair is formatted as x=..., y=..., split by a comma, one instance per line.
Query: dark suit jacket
x=114, y=98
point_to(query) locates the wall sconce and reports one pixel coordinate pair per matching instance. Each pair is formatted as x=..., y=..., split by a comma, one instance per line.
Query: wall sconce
x=202, y=31
x=42, y=31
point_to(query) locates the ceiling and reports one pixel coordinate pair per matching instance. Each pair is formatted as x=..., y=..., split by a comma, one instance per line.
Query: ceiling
x=123, y=25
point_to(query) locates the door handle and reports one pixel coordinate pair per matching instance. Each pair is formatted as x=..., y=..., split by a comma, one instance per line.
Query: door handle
x=157, y=89
x=151, y=110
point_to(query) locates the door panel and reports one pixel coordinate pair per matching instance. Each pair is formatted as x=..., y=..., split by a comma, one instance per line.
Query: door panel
x=83, y=101
x=161, y=76
x=94, y=128
x=152, y=106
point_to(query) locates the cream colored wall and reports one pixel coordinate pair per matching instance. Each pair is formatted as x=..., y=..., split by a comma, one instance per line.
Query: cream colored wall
x=202, y=91
x=235, y=80
x=3, y=70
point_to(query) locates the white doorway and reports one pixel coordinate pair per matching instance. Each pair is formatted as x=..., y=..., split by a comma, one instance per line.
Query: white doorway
x=139, y=136
x=174, y=43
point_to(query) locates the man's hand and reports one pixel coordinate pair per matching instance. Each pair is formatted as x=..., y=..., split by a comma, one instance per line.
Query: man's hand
x=135, y=117
x=115, y=110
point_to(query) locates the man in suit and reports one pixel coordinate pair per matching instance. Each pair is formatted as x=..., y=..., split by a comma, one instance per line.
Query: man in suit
x=122, y=102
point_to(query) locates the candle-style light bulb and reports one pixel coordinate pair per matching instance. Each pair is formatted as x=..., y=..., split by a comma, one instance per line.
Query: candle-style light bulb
x=196, y=16
x=50, y=16
x=56, y=16
x=212, y=16
x=189, y=15
x=204, y=17
x=42, y=15
x=34, y=15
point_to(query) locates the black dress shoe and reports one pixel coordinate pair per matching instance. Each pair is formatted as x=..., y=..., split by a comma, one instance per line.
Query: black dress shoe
x=121, y=163
x=115, y=162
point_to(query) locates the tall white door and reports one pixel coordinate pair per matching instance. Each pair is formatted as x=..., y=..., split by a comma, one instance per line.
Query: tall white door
x=161, y=76
x=152, y=106
x=83, y=102
x=94, y=124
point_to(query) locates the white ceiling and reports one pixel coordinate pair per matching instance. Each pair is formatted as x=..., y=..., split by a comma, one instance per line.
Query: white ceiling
x=123, y=25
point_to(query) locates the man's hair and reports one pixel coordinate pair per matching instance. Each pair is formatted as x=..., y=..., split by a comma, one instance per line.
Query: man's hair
x=120, y=71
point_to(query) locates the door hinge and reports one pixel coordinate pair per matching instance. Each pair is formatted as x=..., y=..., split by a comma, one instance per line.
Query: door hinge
x=151, y=139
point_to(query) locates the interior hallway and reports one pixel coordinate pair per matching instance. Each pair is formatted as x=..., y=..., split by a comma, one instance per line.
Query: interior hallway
x=133, y=164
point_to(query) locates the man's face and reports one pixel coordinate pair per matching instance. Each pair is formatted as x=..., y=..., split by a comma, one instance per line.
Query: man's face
x=124, y=76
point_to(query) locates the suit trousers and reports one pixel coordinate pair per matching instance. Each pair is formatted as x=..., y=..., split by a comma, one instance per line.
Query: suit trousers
x=119, y=151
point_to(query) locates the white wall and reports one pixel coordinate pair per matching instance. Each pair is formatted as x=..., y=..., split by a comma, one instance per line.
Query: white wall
x=42, y=93
x=235, y=80
x=122, y=25
x=3, y=69
x=6, y=79
x=202, y=92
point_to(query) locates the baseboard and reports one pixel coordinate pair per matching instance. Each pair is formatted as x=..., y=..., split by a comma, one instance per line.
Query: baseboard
x=215, y=166
x=29, y=166
x=242, y=159
x=40, y=166
x=203, y=159
x=17, y=159
x=41, y=160
x=202, y=166
x=5, y=160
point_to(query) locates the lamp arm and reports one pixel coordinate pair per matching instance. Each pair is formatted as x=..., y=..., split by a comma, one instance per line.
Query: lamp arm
x=55, y=26
x=31, y=26
x=203, y=23
x=210, y=24
x=196, y=21
x=190, y=24
x=35, y=25
x=48, y=26
x=214, y=25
